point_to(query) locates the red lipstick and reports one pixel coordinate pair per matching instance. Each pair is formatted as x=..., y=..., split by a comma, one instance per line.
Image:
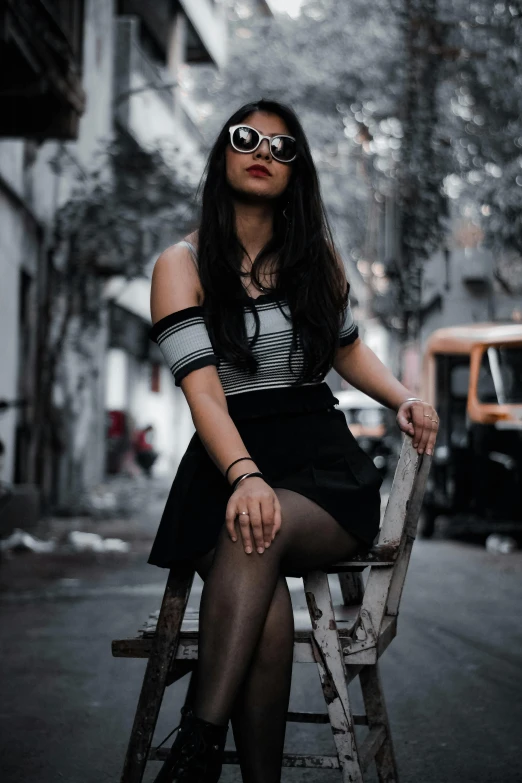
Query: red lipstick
x=258, y=171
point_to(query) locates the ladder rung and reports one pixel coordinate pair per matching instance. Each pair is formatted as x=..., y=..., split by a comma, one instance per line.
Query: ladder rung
x=321, y=717
x=313, y=762
x=358, y=565
x=289, y=759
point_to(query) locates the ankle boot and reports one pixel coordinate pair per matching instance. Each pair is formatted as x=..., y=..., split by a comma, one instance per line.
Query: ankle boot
x=197, y=753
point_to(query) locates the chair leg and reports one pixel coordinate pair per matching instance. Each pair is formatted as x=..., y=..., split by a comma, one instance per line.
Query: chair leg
x=164, y=647
x=329, y=657
x=377, y=715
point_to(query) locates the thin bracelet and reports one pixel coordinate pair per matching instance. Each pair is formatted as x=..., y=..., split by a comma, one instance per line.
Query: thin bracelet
x=245, y=476
x=235, y=463
x=409, y=399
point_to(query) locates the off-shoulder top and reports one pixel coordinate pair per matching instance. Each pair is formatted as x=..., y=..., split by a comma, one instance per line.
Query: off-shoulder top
x=185, y=343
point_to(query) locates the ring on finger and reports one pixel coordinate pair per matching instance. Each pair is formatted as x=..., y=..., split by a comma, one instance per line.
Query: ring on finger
x=243, y=512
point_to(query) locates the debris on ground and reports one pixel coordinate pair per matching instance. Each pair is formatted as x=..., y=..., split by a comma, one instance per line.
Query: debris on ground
x=79, y=541
x=500, y=545
x=75, y=541
x=20, y=541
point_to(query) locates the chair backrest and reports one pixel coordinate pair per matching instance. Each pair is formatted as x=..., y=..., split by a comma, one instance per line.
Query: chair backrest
x=385, y=583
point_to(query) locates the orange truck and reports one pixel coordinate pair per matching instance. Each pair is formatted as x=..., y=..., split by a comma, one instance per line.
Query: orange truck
x=473, y=376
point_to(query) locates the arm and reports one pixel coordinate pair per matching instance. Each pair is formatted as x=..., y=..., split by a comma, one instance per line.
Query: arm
x=175, y=287
x=358, y=365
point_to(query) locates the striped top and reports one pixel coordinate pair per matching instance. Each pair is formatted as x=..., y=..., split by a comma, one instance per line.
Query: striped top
x=186, y=345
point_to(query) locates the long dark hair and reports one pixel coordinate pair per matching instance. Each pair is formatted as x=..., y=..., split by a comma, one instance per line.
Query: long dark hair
x=308, y=273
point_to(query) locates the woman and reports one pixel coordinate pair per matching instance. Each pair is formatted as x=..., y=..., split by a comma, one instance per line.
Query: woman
x=251, y=313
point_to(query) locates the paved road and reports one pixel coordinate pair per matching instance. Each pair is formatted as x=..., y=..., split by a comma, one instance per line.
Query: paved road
x=453, y=676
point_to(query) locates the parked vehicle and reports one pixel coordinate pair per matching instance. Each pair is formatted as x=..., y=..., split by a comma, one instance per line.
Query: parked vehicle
x=473, y=377
x=369, y=423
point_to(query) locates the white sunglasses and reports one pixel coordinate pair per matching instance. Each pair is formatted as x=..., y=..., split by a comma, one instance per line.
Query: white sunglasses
x=244, y=138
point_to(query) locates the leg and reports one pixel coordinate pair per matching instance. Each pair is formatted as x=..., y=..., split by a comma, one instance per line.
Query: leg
x=239, y=591
x=259, y=713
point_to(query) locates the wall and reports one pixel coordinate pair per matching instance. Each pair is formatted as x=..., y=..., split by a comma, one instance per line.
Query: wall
x=11, y=222
x=459, y=284
x=34, y=182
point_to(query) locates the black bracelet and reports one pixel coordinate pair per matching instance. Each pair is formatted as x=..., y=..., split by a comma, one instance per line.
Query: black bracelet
x=235, y=463
x=245, y=476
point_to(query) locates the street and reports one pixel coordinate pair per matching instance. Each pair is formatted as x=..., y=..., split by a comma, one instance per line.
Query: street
x=453, y=676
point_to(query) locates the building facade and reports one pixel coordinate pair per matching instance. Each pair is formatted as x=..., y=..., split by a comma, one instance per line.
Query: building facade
x=154, y=43
x=45, y=143
x=100, y=68
x=463, y=282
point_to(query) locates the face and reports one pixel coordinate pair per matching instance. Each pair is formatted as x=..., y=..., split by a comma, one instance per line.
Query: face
x=242, y=175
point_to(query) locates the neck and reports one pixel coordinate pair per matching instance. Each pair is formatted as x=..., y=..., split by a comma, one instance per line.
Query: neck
x=254, y=225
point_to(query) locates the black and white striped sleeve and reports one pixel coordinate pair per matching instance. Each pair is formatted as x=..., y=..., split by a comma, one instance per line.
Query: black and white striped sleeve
x=349, y=330
x=184, y=342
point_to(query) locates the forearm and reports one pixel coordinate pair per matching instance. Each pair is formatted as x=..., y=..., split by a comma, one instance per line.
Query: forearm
x=359, y=366
x=219, y=435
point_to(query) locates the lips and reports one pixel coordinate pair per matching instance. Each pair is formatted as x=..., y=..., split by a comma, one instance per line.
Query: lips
x=259, y=171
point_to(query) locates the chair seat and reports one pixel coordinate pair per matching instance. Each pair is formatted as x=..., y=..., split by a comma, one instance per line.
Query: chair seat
x=380, y=555
x=345, y=618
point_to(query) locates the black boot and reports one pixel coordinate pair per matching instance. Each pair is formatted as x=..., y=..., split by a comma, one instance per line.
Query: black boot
x=197, y=753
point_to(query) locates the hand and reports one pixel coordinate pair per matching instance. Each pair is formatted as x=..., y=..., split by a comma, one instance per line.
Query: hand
x=263, y=514
x=419, y=419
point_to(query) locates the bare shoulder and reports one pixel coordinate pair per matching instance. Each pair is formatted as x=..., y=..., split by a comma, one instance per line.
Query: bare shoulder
x=175, y=282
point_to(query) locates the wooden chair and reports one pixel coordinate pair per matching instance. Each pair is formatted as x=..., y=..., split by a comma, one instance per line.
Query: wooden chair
x=345, y=642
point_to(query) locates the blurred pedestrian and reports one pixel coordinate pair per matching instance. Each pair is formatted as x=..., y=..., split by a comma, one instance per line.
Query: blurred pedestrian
x=251, y=312
x=146, y=456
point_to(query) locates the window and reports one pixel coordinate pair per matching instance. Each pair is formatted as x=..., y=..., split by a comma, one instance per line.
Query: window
x=500, y=377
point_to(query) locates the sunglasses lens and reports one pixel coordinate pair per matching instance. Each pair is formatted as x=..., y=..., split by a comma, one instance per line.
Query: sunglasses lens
x=283, y=148
x=245, y=139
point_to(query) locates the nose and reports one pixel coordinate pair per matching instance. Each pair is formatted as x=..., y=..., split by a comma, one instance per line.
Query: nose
x=263, y=151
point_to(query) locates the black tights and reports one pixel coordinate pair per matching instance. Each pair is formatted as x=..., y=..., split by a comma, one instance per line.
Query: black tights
x=246, y=630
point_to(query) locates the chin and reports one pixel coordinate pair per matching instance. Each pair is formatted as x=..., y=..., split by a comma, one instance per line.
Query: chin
x=253, y=192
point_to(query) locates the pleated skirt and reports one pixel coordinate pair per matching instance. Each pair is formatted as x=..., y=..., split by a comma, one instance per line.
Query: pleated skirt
x=309, y=452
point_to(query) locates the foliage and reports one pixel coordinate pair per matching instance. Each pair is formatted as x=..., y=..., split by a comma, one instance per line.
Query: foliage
x=410, y=101
x=131, y=205
x=484, y=116
x=113, y=224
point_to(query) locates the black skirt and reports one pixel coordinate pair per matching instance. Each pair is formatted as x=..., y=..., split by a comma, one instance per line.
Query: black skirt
x=307, y=448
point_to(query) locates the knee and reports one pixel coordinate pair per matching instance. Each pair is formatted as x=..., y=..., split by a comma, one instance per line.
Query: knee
x=236, y=549
x=278, y=631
